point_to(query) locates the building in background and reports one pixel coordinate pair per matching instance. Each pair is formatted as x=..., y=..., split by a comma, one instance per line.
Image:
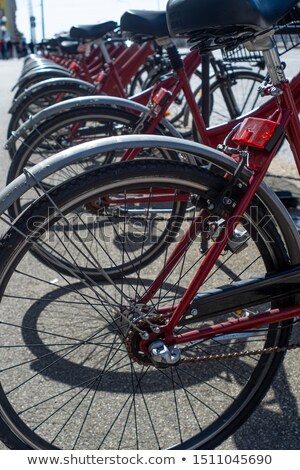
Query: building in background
x=11, y=40
x=9, y=8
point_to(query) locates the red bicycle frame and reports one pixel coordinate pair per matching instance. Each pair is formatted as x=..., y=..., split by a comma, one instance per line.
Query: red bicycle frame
x=119, y=73
x=110, y=67
x=214, y=135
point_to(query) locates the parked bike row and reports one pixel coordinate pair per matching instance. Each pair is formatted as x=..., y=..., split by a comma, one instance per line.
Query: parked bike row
x=157, y=275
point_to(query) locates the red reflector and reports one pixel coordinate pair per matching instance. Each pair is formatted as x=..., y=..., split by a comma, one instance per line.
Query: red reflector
x=161, y=97
x=74, y=67
x=255, y=132
x=102, y=75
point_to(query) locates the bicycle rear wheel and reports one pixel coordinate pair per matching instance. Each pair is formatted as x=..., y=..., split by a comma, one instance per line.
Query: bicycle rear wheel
x=73, y=375
x=33, y=100
x=66, y=130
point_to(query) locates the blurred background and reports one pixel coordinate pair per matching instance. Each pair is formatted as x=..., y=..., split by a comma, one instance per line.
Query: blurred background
x=33, y=20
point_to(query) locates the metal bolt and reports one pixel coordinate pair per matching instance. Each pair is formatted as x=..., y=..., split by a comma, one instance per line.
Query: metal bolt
x=155, y=329
x=227, y=201
x=275, y=91
x=144, y=335
x=194, y=312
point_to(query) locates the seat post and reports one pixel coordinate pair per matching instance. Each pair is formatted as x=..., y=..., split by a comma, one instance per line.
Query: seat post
x=105, y=53
x=266, y=45
x=274, y=66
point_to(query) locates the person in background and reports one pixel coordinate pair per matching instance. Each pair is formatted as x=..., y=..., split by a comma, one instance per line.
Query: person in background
x=5, y=39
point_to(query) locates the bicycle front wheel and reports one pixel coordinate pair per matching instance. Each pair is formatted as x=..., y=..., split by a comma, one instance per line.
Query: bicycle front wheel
x=73, y=374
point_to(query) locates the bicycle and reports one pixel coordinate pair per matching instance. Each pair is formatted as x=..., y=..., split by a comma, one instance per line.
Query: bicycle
x=131, y=352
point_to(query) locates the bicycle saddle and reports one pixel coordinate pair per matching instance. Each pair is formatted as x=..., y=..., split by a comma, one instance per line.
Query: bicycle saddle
x=70, y=47
x=145, y=23
x=213, y=24
x=52, y=42
x=95, y=31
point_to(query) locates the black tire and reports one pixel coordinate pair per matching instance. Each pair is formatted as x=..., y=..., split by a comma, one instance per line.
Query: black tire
x=73, y=381
x=34, y=100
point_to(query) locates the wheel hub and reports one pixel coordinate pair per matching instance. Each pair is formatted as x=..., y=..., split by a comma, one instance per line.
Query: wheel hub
x=159, y=354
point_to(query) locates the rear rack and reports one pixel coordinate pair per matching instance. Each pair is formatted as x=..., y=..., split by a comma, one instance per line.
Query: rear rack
x=286, y=36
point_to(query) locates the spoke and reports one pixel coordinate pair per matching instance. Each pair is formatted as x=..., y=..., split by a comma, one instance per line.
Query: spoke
x=140, y=389
x=119, y=412
x=83, y=385
x=125, y=251
x=192, y=395
x=73, y=349
x=108, y=359
x=87, y=281
x=188, y=400
x=91, y=382
x=176, y=405
x=35, y=330
x=31, y=361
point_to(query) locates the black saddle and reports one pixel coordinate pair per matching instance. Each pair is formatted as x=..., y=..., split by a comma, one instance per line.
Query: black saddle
x=70, y=47
x=64, y=37
x=91, y=32
x=214, y=24
x=141, y=23
x=52, y=42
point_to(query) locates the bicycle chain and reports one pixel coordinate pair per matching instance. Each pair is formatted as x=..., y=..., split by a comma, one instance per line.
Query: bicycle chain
x=256, y=352
x=210, y=357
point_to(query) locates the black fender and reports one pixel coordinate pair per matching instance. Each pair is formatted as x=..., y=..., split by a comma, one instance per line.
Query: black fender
x=39, y=73
x=86, y=87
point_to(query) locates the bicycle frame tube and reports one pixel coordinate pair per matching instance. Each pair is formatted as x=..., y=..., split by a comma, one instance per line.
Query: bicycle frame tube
x=195, y=111
x=174, y=84
x=239, y=324
x=182, y=83
x=191, y=61
x=293, y=128
x=112, y=85
x=215, y=250
x=124, y=68
x=135, y=61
